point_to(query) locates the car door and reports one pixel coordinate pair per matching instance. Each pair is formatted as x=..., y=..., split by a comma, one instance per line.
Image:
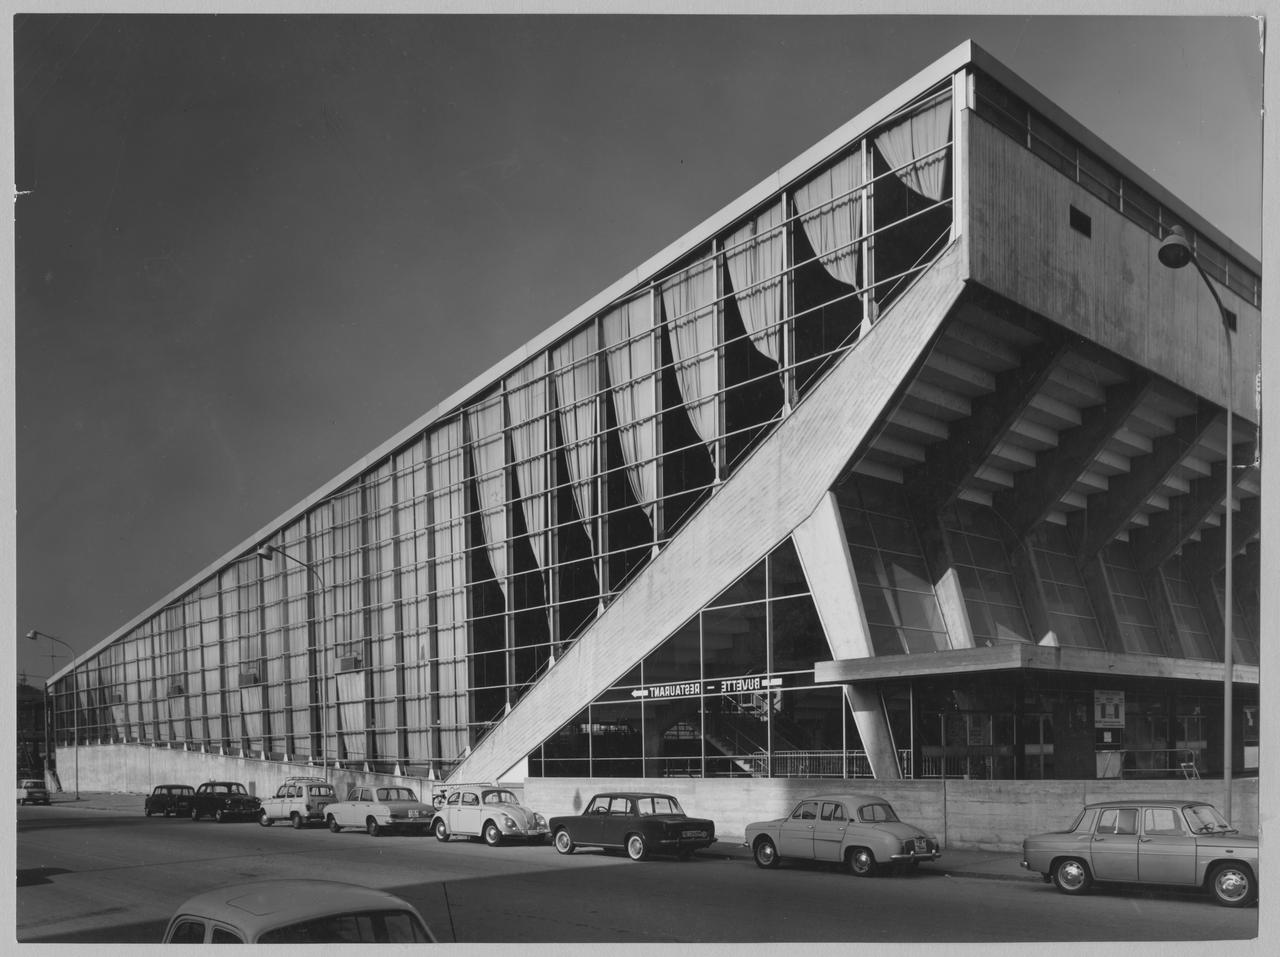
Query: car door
x=351, y=812
x=467, y=813
x=1114, y=848
x=588, y=826
x=828, y=832
x=622, y=819
x=795, y=837
x=1166, y=850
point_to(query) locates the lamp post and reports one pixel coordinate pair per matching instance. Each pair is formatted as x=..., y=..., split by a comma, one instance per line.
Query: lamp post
x=266, y=553
x=1175, y=252
x=75, y=704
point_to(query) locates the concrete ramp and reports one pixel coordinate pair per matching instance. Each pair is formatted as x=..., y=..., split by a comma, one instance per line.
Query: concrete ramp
x=771, y=493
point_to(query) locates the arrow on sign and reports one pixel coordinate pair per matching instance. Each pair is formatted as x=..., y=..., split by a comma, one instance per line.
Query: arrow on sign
x=640, y=693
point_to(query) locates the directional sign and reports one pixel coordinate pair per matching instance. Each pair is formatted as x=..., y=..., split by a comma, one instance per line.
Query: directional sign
x=681, y=689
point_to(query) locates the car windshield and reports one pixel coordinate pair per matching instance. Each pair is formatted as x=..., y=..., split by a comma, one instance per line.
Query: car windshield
x=228, y=789
x=499, y=797
x=396, y=794
x=1204, y=819
x=32, y=784
x=321, y=790
x=658, y=805
x=876, y=813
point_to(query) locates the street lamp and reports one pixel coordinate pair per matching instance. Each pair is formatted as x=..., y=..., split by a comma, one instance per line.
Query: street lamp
x=75, y=704
x=266, y=553
x=1175, y=252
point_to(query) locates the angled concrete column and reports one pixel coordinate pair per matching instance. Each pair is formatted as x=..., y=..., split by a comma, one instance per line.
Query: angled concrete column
x=824, y=554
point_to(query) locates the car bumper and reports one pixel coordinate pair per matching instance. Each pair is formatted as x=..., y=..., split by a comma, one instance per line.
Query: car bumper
x=526, y=833
x=916, y=856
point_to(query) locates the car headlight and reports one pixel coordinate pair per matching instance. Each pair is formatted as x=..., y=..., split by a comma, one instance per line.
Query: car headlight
x=539, y=820
x=509, y=822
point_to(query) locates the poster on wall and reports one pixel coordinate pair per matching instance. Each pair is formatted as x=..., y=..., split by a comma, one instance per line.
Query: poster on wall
x=1108, y=709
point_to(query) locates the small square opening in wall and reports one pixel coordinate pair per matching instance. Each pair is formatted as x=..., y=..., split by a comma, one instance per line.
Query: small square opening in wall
x=1081, y=223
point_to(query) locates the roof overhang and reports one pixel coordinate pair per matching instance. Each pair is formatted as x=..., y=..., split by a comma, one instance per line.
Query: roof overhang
x=1027, y=657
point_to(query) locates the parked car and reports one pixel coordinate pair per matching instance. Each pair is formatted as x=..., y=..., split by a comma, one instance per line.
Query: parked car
x=640, y=822
x=1185, y=843
x=224, y=801
x=299, y=801
x=380, y=809
x=32, y=791
x=296, y=912
x=859, y=830
x=494, y=813
x=168, y=799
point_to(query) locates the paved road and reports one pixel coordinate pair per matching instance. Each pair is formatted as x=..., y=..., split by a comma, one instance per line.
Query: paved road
x=113, y=877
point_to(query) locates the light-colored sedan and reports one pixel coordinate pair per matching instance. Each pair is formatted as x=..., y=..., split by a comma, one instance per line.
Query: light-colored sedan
x=860, y=830
x=296, y=912
x=494, y=813
x=1173, y=842
x=378, y=810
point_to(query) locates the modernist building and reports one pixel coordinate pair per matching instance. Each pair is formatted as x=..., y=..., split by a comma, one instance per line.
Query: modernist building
x=910, y=462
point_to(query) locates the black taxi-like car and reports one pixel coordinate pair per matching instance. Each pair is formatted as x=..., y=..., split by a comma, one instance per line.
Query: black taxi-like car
x=167, y=799
x=224, y=801
x=641, y=822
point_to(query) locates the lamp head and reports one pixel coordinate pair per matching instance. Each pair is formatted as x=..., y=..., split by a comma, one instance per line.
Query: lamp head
x=266, y=552
x=33, y=635
x=1175, y=251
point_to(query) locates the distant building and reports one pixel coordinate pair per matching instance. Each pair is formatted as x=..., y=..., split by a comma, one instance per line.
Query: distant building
x=908, y=463
x=31, y=730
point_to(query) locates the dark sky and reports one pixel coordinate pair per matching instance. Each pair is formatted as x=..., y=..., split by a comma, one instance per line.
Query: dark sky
x=251, y=249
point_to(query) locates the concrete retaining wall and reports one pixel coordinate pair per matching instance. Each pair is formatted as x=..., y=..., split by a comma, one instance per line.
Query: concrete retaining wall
x=137, y=769
x=984, y=815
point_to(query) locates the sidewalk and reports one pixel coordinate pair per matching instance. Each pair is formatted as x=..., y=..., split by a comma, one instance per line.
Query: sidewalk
x=955, y=862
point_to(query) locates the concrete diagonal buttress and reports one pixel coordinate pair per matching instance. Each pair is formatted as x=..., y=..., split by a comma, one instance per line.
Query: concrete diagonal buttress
x=778, y=486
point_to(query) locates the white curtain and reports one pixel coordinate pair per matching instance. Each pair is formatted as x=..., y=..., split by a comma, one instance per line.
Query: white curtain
x=830, y=208
x=577, y=382
x=628, y=341
x=527, y=406
x=689, y=299
x=918, y=135
x=351, y=712
x=251, y=709
x=448, y=534
x=488, y=448
x=754, y=256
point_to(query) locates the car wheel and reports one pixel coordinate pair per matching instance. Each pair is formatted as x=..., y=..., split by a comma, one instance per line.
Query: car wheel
x=265, y=819
x=765, y=853
x=492, y=836
x=1071, y=876
x=167, y=812
x=195, y=814
x=637, y=850
x=296, y=820
x=564, y=843
x=146, y=811
x=334, y=825
x=219, y=816
x=442, y=830
x=371, y=827
x=862, y=862
x=1231, y=885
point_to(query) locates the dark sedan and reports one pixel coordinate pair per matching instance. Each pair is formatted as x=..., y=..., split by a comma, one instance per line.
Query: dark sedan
x=223, y=801
x=169, y=799
x=640, y=822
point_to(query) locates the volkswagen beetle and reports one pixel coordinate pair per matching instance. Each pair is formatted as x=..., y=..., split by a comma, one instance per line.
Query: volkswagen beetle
x=494, y=813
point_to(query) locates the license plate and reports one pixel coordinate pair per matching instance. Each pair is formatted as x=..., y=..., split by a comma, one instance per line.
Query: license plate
x=413, y=813
x=694, y=834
